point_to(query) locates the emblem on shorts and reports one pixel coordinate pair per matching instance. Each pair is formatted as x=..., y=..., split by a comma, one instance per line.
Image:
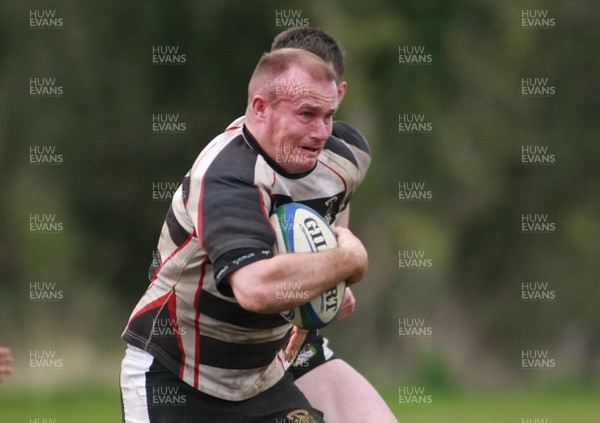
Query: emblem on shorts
x=300, y=416
x=304, y=355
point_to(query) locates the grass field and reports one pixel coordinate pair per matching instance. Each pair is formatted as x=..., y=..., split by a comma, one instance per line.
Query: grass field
x=523, y=407
x=101, y=405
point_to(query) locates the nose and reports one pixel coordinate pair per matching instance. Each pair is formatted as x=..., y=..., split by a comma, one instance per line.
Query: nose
x=321, y=130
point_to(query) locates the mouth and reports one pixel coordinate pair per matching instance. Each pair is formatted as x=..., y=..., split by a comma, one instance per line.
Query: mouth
x=311, y=149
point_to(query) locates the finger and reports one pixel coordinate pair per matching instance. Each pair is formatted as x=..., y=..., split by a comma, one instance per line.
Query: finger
x=296, y=339
x=346, y=311
x=292, y=348
x=338, y=230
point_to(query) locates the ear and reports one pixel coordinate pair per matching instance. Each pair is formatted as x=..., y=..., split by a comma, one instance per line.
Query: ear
x=341, y=91
x=258, y=106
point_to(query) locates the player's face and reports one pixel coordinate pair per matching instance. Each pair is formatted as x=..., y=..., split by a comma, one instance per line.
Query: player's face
x=300, y=124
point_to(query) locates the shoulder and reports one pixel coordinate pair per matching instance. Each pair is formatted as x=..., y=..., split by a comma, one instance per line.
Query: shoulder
x=226, y=156
x=351, y=136
x=349, y=143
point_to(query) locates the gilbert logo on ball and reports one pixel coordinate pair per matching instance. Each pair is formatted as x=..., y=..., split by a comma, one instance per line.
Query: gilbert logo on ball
x=300, y=229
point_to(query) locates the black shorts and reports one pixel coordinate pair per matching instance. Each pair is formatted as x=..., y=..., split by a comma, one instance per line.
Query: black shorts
x=151, y=393
x=313, y=352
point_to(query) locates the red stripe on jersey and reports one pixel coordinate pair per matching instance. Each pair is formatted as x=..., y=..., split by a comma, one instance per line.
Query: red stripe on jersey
x=231, y=128
x=182, y=246
x=280, y=361
x=196, y=306
x=262, y=205
x=272, y=185
x=199, y=221
x=264, y=209
x=202, y=154
x=172, y=307
x=338, y=175
x=159, y=302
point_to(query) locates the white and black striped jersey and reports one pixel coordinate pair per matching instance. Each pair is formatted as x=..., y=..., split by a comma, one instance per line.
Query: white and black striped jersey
x=218, y=222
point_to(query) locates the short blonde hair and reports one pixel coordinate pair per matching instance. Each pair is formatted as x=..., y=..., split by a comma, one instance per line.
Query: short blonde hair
x=274, y=64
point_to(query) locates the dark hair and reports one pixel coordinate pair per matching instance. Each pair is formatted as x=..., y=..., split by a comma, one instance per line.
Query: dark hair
x=317, y=42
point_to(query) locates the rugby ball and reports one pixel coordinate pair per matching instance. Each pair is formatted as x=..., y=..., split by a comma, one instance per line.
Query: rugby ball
x=300, y=229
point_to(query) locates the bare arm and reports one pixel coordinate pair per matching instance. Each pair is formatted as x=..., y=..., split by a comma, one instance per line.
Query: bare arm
x=349, y=304
x=5, y=360
x=305, y=274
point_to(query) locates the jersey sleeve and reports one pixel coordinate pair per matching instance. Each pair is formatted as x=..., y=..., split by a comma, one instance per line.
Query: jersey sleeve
x=351, y=136
x=357, y=143
x=231, y=218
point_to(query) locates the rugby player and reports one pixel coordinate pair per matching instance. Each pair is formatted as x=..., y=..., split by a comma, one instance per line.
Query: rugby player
x=206, y=340
x=329, y=383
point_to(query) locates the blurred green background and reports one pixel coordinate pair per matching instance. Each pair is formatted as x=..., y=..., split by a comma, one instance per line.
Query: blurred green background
x=471, y=163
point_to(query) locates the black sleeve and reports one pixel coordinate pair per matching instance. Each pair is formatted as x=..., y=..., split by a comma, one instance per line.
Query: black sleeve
x=235, y=229
x=232, y=260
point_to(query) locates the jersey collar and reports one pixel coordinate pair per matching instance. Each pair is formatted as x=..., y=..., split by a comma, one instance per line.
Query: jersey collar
x=272, y=163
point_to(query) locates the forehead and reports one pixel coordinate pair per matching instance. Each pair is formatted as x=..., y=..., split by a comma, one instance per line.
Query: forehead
x=298, y=89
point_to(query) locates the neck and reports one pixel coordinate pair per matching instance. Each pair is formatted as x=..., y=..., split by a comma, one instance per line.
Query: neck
x=259, y=134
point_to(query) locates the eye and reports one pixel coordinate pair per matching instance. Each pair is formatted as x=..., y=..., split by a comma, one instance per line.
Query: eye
x=307, y=115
